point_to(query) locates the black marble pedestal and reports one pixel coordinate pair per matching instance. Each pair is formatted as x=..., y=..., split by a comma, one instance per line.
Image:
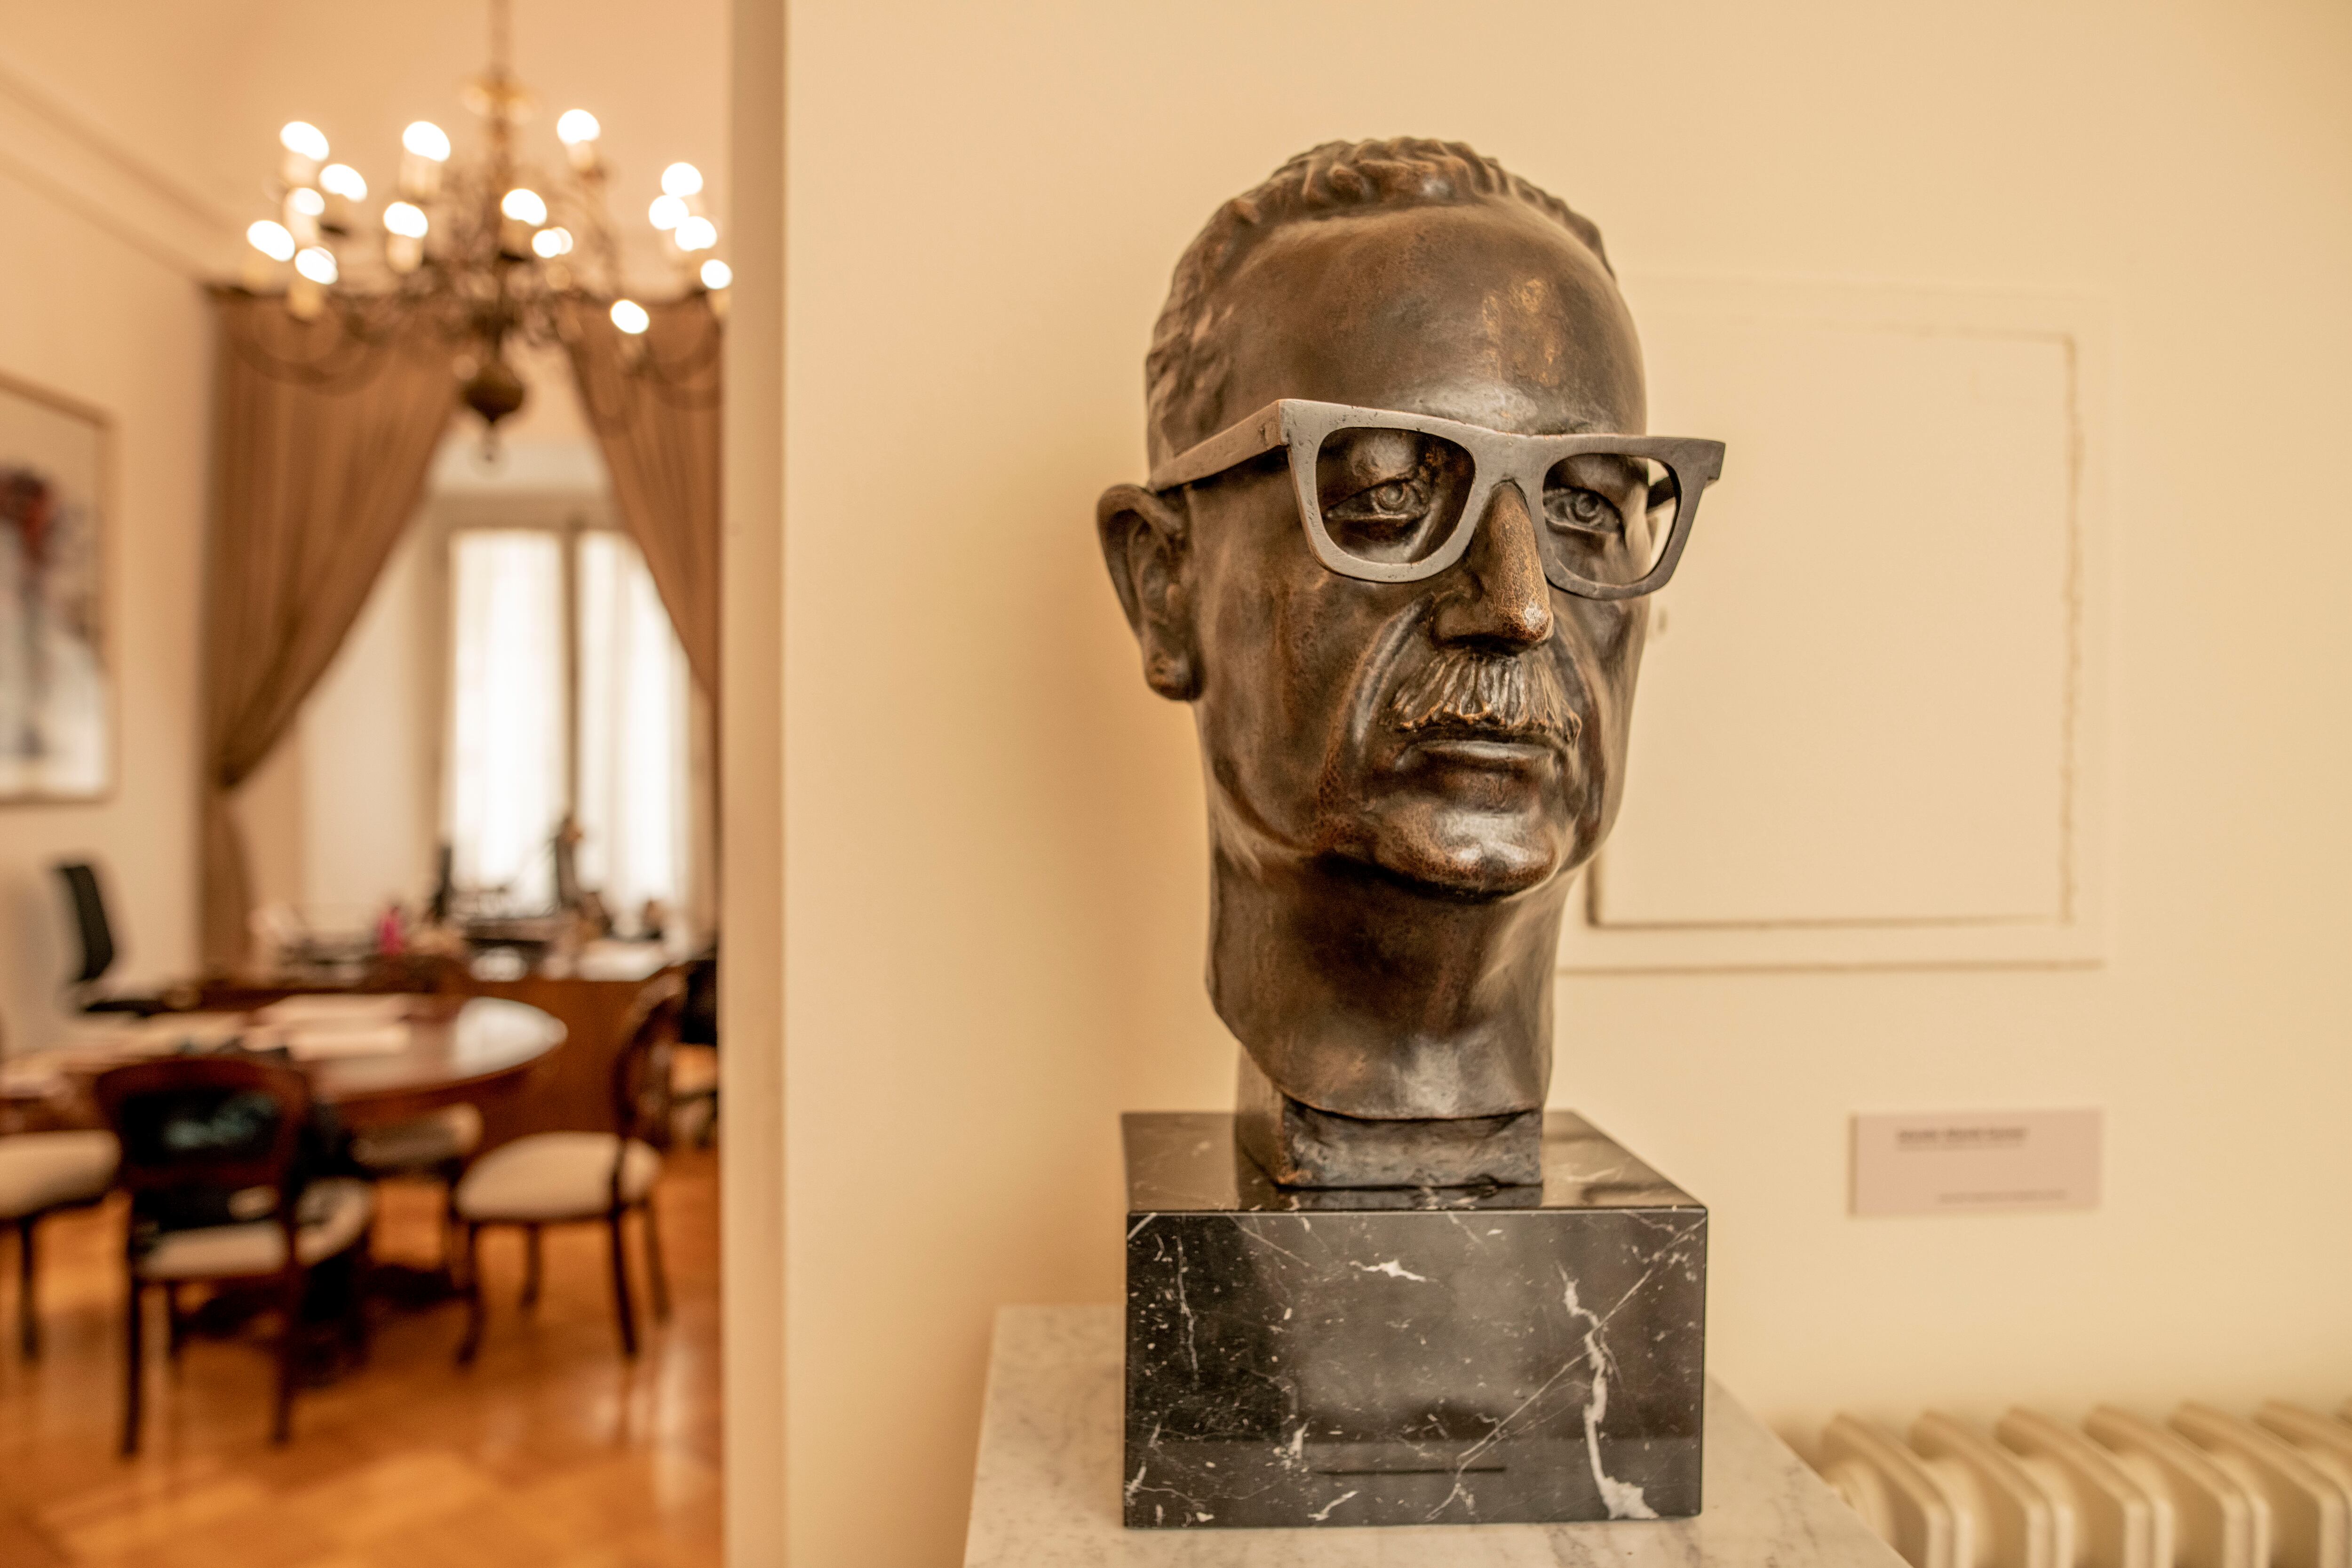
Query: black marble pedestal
x=1408, y=1356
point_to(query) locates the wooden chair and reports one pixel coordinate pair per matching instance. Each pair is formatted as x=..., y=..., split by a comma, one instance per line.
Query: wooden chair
x=694, y=1073
x=41, y=1172
x=232, y=1125
x=568, y=1178
x=432, y=1147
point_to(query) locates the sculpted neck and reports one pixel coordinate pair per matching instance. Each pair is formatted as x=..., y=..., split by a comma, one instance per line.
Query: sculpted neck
x=1366, y=998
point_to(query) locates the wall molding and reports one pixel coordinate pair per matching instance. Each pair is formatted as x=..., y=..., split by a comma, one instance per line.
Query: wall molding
x=2073, y=931
x=64, y=156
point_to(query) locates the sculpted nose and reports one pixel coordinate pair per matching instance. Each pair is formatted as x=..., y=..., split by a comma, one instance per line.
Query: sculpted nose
x=1498, y=596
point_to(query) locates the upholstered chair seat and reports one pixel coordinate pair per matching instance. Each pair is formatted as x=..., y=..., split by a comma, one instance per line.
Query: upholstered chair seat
x=554, y=1178
x=42, y=1171
x=550, y=1176
x=333, y=1213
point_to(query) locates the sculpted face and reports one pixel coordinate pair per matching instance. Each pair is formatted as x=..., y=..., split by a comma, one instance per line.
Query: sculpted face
x=1401, y=775
x=1461, y=735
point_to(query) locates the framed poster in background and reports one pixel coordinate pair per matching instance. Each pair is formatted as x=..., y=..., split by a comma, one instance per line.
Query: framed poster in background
x=57, y=682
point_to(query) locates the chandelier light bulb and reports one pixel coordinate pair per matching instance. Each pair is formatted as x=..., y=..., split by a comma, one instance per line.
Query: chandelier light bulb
x=407, y=219
x=425, y=140
x=681, y=180
x=306, y=201
x=343, y=180
x=551, y=242
x=630, y=317
x=668, y=212
x=303, y=140
x=317, y=263
x=697, y=234
x=575, y=126
x=716, y=274
x=272, y=239
x=524, y=207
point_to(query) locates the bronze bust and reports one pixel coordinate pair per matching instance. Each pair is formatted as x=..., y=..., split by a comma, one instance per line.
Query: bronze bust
x=1393, y=550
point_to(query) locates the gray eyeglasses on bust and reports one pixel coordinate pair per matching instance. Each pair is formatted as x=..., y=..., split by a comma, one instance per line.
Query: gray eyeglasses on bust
x=1394, y=498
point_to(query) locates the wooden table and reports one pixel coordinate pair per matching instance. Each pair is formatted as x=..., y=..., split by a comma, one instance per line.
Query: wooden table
x=594, y=997
x=460, y=1049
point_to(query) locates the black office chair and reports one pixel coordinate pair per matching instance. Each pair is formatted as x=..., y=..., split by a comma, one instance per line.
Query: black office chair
x=96, y=933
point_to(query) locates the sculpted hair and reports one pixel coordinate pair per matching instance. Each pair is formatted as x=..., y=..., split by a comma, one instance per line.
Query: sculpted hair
x=1184, y=373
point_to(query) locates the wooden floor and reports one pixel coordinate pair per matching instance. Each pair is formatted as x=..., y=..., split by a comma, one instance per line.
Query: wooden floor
x=551, y=1451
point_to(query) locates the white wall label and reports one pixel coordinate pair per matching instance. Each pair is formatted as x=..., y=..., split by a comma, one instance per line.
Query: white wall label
x=1973, y=1161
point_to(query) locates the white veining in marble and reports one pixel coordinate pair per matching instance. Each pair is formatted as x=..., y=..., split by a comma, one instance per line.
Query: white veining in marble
x=1046, y=1492
x=1624, y=1500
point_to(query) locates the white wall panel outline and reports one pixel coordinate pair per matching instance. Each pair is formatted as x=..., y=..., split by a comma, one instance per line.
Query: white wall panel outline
x=1870, y=723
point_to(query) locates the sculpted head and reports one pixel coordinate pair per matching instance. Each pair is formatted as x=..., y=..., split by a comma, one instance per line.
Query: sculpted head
x=1412, y=734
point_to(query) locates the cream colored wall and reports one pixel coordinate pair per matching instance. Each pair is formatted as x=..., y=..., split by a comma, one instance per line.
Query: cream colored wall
x=89, y=314
x=750, y=795
x=995, y=886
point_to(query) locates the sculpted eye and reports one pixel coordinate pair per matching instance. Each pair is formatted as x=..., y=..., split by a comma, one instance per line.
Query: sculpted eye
x=1390, y=495
x=1588, y=510
x=1608, y=517
x=1391, y=507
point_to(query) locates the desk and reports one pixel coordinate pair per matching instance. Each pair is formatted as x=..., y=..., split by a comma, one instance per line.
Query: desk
x=573, y=1092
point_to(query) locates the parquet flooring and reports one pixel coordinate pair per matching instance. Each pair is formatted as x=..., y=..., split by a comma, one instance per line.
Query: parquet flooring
x=551, y=1451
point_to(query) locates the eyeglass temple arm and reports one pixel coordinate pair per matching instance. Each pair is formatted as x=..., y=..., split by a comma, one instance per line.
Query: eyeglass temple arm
x=1237, y=442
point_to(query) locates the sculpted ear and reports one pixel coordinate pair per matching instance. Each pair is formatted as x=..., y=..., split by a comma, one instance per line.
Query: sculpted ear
x=1144, y=544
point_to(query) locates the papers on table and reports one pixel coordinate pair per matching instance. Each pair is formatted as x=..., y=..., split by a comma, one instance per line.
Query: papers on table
x=117, y=1039
x=336, y=1012
x=321, y=1043
x=324, y=1029
x=309, y=1028
x=31, y=1077
x=609, y=960
x=103, y=1040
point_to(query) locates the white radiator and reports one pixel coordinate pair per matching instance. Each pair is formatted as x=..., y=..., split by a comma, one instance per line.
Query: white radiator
x=2204, y=1489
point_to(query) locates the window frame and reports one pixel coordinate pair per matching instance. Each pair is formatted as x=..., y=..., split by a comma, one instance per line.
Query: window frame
x=570, y=515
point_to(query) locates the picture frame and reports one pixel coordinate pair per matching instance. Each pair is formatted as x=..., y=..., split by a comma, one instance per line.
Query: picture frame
x=57, y=700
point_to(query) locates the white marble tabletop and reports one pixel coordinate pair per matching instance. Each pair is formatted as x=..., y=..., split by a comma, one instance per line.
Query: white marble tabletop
x=1045, y=1494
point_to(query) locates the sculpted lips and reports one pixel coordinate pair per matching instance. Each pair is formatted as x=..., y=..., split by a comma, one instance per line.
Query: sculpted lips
x=1460, y=695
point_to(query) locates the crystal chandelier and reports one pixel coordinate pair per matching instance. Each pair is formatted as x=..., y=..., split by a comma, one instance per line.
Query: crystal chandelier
x=486, y=251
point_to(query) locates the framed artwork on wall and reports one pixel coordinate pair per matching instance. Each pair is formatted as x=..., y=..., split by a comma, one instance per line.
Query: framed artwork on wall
x=56, y=681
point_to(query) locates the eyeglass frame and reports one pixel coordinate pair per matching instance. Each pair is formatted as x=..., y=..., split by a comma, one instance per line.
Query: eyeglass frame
x=1498, y=457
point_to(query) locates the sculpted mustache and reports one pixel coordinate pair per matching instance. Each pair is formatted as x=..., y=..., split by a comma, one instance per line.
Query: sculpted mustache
x=1461, y=690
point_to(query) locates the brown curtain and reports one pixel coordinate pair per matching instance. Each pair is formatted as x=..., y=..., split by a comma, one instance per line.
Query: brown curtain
x=322, y=444
x=654, y=404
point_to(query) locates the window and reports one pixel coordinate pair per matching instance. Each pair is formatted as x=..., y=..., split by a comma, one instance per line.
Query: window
x=568, y=695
